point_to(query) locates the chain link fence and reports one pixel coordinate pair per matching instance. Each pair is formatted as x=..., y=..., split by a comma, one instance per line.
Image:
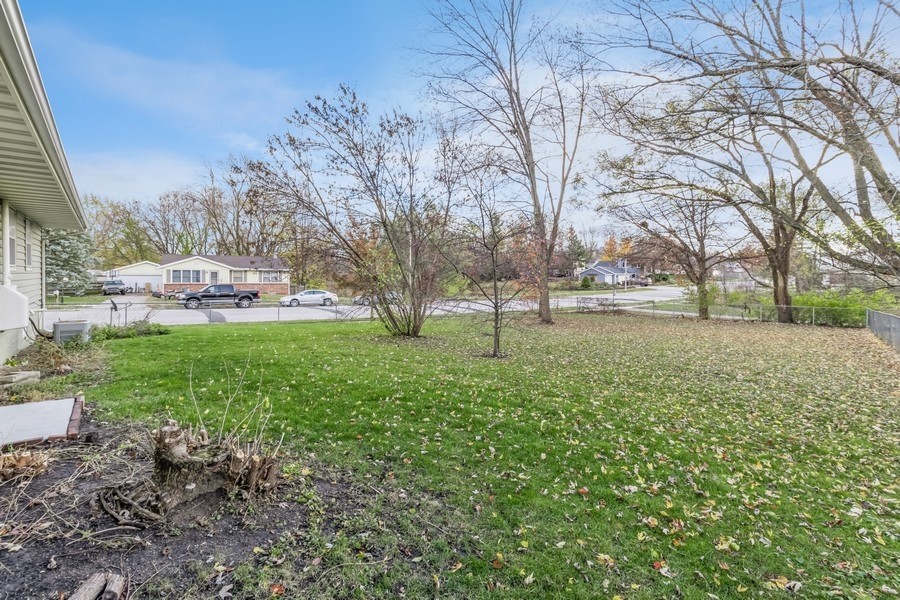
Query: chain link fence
x=885, y=326
x=121, y=313
x=825, y=316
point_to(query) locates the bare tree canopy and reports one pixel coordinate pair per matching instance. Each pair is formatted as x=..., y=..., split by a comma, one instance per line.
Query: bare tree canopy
x=371, y=184
x=525, y=93
x=811, y=90
x=217, y=216
x=692, y=231
x=486, y=234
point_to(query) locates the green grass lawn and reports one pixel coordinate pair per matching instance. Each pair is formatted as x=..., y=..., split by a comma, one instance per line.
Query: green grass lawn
x=715, y=310
x=605, y=457
x=594, y=292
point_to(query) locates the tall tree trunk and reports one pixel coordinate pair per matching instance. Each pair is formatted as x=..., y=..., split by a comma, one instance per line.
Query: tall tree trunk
x=497, y=310
x=544, y=278
x=780, y=272
x=496, y=353
x=702, y=297
x=544, y=301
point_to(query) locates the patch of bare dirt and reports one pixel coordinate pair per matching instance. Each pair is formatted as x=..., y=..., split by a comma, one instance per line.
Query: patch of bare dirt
x=54, y=533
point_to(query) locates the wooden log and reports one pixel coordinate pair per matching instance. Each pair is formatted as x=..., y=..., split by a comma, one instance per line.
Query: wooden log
x=91, y=588
x=115, y=587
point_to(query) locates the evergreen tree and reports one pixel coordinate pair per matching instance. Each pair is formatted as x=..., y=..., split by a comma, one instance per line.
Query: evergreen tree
x=68, y=257
x=576, y=252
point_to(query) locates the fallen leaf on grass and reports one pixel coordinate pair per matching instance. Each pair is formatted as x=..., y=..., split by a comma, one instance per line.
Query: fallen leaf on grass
x=666, y=572
x=776, y=583
x=276, y=589
x=606, y=560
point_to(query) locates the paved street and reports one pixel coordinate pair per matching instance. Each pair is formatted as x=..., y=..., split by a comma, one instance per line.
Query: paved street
x=170, y=313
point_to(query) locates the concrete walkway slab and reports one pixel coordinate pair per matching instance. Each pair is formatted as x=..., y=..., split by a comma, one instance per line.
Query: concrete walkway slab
x=34, y=422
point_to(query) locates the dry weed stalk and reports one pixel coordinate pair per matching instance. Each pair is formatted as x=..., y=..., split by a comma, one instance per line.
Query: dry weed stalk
x=188, y=463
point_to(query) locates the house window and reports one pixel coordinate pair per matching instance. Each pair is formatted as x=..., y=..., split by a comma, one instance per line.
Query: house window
x=238, y=276
x=187, y=276
x=271, y=276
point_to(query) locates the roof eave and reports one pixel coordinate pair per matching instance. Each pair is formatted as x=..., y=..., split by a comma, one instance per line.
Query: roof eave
x=203, y=258
x=25, y=79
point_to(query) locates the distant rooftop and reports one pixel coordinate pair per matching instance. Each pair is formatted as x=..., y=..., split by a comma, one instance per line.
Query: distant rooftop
x=235, y=262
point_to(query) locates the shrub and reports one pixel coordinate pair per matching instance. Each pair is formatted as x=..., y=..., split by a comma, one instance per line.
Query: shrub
x=141, y=328
x=737, y=297
x=840, y=309
x=586, y=283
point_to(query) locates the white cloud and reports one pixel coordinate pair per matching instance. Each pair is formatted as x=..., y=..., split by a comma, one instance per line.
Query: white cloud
x=133, y=175
x=212, y=96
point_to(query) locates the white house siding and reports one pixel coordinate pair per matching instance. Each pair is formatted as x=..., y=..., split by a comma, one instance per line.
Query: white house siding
x=251, y=277
x=28, y=280
x=256, y=276
x=193, y=264
x=140, y=276
x=141, y=283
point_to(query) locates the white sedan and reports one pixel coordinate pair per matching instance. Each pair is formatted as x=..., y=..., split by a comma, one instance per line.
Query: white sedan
x=307, y=297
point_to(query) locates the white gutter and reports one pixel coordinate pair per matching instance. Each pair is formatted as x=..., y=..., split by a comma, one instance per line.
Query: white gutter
x=4, y=221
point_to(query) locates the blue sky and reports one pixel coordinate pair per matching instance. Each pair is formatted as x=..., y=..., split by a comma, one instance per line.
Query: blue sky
x=145, y=95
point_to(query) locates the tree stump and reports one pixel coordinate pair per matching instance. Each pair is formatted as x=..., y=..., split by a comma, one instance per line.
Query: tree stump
x=186, y=465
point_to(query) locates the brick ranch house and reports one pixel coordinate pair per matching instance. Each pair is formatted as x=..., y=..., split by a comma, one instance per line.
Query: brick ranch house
x=194, y=272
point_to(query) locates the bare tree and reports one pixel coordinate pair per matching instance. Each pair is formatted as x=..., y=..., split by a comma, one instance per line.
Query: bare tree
x=308, y=252
x=726, y=165
x=813, y=91
x=369, y=185
x=241, y=223
x=692, y=231
x=177, y=224
x=482, y=247
x=118, y=233
x=525, y=94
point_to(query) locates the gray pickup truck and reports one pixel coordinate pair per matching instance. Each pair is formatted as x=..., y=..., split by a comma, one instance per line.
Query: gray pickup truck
x=113, y=286
x=223, y=293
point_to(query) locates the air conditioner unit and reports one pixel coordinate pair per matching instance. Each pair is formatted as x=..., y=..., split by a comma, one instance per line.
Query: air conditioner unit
x=13, y=308
x=63, y=331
